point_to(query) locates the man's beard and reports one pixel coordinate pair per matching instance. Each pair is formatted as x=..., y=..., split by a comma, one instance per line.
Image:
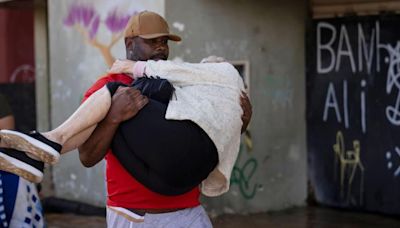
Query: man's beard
x=159, y=56
x=135, y=56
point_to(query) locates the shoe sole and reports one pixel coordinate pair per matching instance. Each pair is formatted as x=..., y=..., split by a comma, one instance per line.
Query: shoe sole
x=19, y=168
x=25, y=143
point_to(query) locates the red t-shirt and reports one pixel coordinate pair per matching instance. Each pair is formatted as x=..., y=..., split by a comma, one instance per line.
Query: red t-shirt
x=125, y=191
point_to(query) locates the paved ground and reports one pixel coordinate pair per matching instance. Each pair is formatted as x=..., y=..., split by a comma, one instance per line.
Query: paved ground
x=70, y=220
x=299, y=218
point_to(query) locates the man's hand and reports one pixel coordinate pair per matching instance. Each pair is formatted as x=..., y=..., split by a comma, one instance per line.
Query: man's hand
x=247, y=110
x=126, y=103
x=122, y=66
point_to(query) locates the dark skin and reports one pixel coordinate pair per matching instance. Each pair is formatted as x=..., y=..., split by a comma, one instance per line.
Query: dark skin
x=138, y=49
x=127, y=101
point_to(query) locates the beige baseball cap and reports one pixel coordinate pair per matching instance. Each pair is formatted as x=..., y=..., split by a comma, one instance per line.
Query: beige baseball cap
x=148, y=25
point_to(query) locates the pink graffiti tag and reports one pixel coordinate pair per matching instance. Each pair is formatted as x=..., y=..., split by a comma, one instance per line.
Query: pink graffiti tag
x=87, y=21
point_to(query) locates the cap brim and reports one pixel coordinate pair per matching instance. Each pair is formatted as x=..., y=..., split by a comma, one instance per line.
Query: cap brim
x=156, y=35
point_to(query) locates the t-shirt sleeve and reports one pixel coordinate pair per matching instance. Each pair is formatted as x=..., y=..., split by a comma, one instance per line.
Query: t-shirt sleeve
x=96, y=86
x=5, y=109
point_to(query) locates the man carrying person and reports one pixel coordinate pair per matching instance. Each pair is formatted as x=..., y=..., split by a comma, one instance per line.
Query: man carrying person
x=203, y=94
x=129, y=203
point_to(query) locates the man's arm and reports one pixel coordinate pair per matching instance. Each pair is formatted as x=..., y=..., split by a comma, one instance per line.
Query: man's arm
x=247, y=110
x=126, y=103
x=7, y=122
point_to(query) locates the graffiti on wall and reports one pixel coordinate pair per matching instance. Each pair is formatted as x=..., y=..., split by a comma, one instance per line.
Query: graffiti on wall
x=392, y=81
x=340, y=58
x=393, y=161
x=368, y=52
x=87, y=21
x=24, y=73
x=353, y=93
x=245, y=168
x=349, y=163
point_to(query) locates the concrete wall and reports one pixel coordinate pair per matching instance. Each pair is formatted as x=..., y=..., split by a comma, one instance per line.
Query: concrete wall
x=42, y=90
x=75, y=64
x=270, y=35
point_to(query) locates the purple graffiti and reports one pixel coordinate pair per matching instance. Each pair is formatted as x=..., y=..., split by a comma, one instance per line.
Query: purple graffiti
x=85, y=16
x=115, y=22
x=87, y=21
x=78, y=14
x=95, y=26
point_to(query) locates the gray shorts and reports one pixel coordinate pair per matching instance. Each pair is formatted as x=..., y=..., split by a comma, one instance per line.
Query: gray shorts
x=192, y=217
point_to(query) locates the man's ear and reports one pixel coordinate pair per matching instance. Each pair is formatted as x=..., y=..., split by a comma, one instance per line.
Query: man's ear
x=129, y=43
